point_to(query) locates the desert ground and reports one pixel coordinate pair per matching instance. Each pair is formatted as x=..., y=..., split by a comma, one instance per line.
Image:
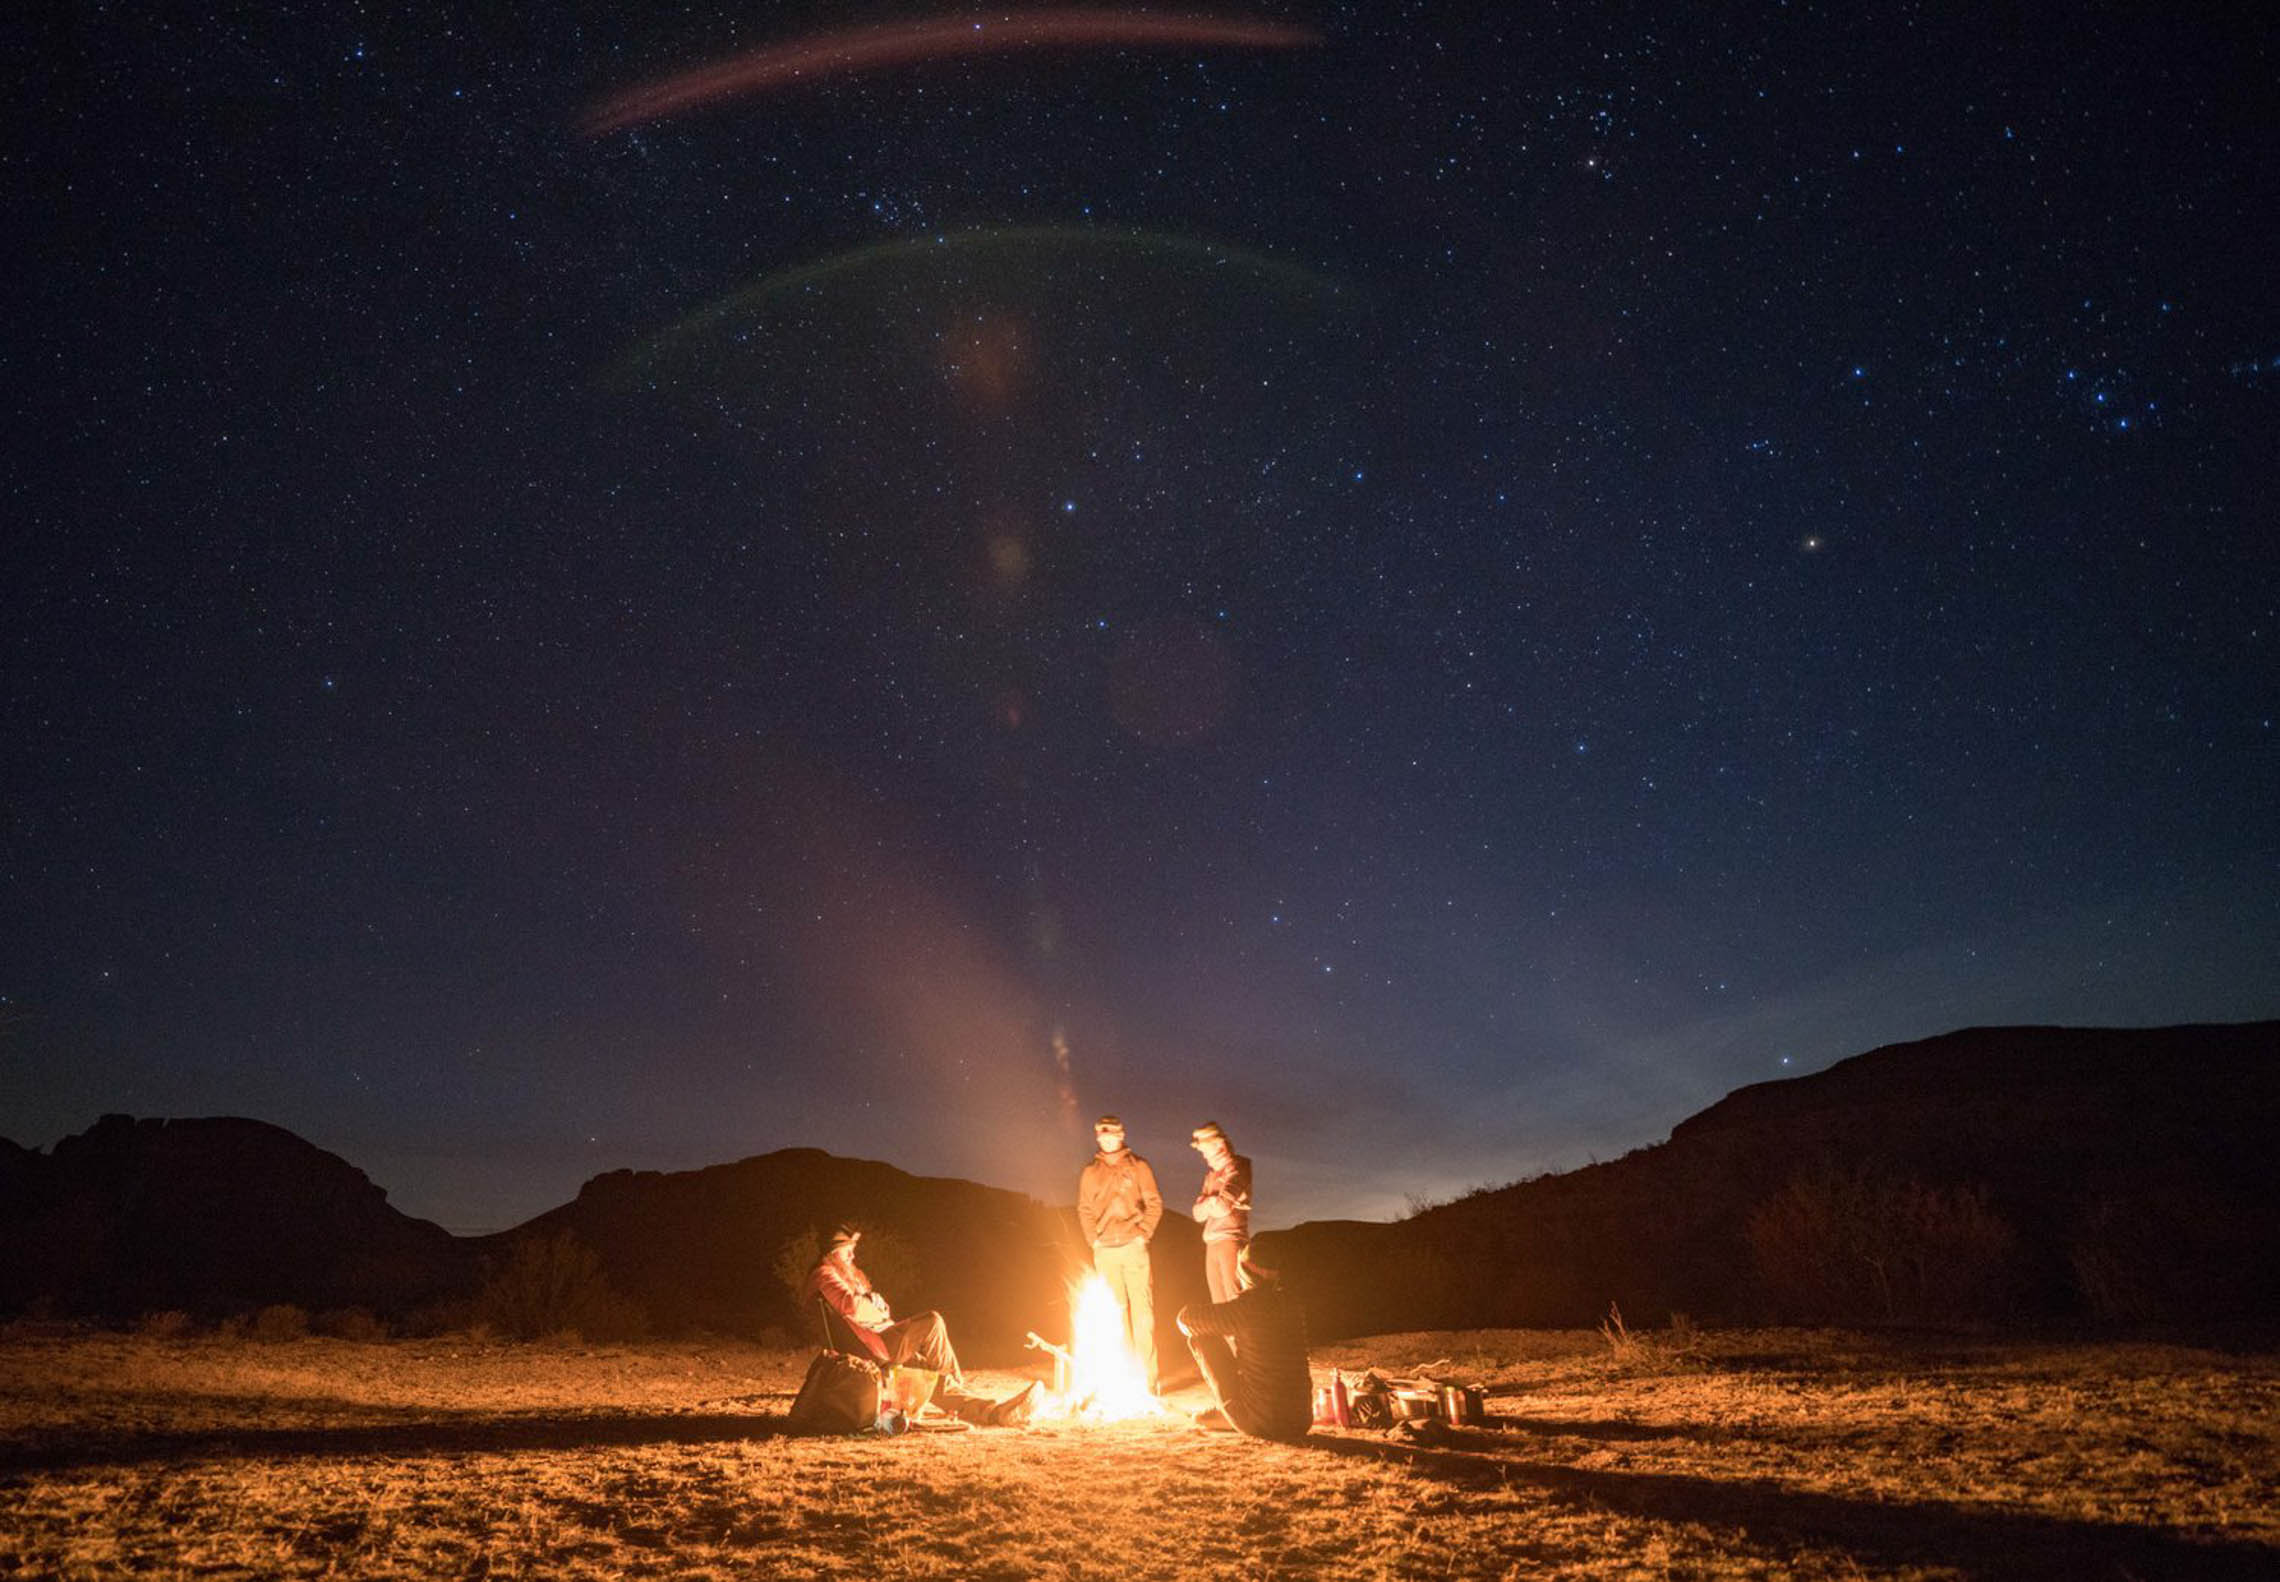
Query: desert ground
x=1726, y=1454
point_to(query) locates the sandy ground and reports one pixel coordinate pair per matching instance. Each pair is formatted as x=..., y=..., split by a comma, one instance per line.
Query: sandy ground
x=1764, y=1454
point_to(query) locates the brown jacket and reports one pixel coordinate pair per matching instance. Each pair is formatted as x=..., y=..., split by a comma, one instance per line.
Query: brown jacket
x=1117, y=1200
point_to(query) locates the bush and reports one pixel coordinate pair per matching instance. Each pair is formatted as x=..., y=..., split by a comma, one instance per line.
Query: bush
x=170, y=1324
x=553, y=1285
x=1848, y=1246
x=2158, y=1250
x=437, y=1318
x=890, y=1262
x=350, y=1323
x=281, y=1321
x=1676, y=1351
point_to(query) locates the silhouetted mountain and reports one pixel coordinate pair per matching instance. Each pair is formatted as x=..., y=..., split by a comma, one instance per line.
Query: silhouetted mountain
x=1989, y=1175
x=210, y=1216
x=18, y=1169
x=699, y=1249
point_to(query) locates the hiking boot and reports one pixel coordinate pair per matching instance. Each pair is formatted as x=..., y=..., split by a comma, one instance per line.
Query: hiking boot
x=1015, y=1410
x=966, y=1408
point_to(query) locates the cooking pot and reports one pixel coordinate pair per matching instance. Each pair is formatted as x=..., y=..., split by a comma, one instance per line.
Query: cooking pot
x=1464, y=1404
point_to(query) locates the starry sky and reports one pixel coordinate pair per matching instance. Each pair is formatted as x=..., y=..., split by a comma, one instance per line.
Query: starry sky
x=1443, y=592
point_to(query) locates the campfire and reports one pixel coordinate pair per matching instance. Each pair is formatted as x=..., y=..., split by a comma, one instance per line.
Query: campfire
x=1096, y=1377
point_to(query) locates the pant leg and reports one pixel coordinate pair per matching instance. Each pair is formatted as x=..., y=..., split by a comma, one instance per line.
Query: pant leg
x=924, y=1339
x=1219, y=1269
x=1284, y=1425
x=1143, y=1310
x=1216, y=1359
x=1114, y=1265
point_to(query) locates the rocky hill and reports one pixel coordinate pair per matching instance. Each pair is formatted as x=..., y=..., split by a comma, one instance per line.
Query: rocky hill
x=212, y=1217
x=1990, y=1176
x=707, y=1249
x=1986, y=1176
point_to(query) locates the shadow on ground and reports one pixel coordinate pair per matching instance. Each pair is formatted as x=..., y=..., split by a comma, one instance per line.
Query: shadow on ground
x=1984, y=1543
x=429, y=1436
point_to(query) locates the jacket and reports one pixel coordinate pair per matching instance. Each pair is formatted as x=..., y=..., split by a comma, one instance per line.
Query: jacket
x=1117, y=1200
x=848, y=1292
x=1223, y=1207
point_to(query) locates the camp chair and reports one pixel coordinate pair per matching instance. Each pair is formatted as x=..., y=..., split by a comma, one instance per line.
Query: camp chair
x=839, y=1335
x=842, y=1337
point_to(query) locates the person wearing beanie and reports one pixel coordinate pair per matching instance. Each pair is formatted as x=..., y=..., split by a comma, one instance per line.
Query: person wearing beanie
x=922, y=1340
x=1118, y=1208
x=1222, y=1208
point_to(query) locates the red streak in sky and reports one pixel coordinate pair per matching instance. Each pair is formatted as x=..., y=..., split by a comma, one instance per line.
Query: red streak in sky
x=897, y=44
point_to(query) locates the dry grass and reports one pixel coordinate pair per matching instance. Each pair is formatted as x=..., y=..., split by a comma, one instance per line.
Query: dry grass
x=1766, y=1455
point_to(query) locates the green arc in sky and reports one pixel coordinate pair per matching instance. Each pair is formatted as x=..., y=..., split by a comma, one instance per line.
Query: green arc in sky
x=970, y=251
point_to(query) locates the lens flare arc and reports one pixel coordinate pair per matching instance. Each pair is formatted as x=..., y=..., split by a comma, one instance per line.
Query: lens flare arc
x=847, y=51
x=952, y=256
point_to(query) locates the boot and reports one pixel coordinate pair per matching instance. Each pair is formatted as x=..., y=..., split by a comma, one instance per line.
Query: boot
x=1015, y=1410
x=966, y=1408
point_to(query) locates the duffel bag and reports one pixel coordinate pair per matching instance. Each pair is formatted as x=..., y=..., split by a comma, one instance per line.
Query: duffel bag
x=840, y=1395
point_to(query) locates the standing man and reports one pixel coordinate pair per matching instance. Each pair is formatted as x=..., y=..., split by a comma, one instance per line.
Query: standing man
x=1118, y=1207
x=1222, y=1208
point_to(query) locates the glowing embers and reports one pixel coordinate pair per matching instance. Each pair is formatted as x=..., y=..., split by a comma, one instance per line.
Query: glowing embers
x=1099, y=1379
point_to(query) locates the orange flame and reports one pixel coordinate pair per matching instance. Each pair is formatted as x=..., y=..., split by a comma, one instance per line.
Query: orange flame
x=1106, y=1382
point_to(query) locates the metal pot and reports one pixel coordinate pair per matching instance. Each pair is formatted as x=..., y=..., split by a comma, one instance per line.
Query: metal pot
x=1464, y=1404
x=1414, y=1405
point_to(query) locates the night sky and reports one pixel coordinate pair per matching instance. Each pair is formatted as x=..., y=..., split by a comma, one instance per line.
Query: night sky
x=1443, y=593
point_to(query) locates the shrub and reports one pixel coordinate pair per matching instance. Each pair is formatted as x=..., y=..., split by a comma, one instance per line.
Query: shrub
x=281, y=1321
x=2163, y=1250
x=1848, y=1246
x=350, y=1323
x=169, y=1324
x=889, y=1261
x=437, y=1318
x=552, y=1284
x=1678, y=1350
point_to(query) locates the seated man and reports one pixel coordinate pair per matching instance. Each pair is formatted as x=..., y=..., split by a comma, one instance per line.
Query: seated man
x=922, y=1340
x=1261, y=1384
